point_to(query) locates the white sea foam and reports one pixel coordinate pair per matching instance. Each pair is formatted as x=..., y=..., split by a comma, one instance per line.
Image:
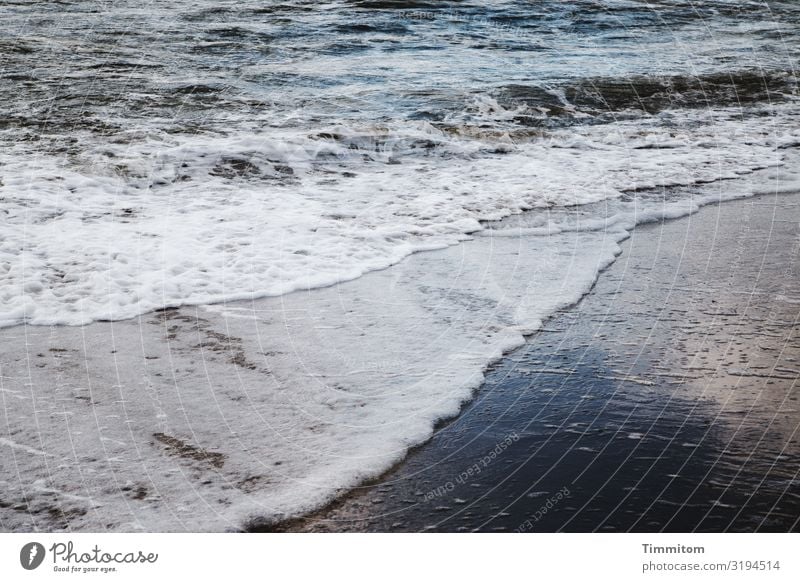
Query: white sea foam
x=198, y=153
x=331, y=386
x=268, y=409
x=121, y=229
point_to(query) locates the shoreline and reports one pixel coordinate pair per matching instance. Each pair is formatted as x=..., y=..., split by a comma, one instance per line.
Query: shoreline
x=349, y=268
x=743, y=465
x=220, y=354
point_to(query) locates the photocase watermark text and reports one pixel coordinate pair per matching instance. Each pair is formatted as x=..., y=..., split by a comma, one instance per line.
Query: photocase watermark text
x=551, y=502
x=474, y=470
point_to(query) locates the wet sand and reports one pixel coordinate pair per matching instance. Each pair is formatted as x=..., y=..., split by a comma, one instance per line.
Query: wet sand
x=666, y=400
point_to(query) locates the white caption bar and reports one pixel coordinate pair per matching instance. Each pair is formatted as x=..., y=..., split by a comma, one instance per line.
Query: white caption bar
x=354, y=557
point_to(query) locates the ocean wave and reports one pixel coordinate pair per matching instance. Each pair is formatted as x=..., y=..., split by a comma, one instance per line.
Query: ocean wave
x=113, y=230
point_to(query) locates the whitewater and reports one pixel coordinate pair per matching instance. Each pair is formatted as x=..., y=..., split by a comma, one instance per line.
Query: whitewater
x=469, y=170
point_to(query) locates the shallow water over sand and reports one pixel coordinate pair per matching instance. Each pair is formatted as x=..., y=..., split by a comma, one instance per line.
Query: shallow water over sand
x=171, y=171
x=667, y=400
x=172, y=153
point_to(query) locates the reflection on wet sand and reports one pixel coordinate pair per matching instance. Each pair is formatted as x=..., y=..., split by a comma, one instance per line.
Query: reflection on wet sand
x=667, y=400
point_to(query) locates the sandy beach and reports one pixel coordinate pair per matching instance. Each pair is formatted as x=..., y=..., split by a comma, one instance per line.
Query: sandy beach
x=666, y=400
x=255, y=257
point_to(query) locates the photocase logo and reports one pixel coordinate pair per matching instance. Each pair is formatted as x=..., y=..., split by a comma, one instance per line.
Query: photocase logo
x=31, y=555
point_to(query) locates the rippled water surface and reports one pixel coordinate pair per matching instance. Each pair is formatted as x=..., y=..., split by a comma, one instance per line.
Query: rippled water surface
x=161, y=154
x=167, y=152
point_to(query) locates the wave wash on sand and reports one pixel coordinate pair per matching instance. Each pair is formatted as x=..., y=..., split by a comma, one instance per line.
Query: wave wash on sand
x=241, y=414
x=253, y=155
